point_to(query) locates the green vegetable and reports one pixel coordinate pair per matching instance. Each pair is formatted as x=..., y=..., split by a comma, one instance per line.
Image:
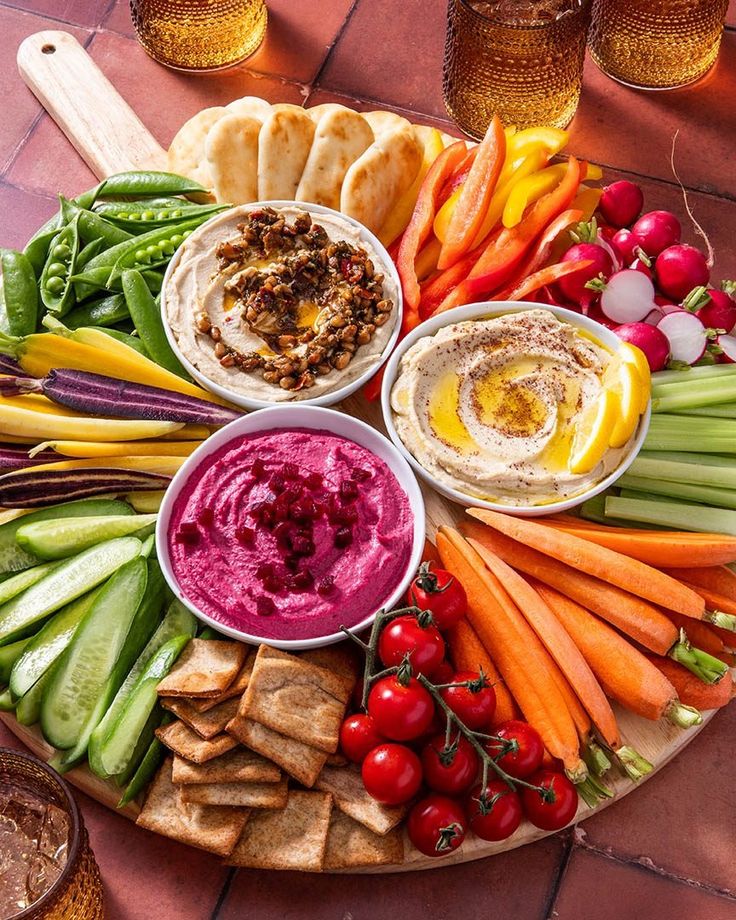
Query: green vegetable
x=57, y=292
x=148, y=182
x=68, y=536
x=708, y=495
x=28, y=707
x=674, y=515
x=142, y=776
x=9, y=654
x=121, y=210
x=87, y=254
x=106, y=311
x=681, y=432
x=92, y=226
x=146, y=315
x=17, y=583
x=131, y=341
x=6, y=701
x=20, y=292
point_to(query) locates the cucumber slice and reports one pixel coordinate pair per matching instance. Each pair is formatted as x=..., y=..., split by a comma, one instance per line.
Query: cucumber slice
x=65, y=583
x=17, y=583
x=9, y=654
x=142, y=776
x=15, y=559
x=59, y=539
x=28, y=707
x=85, y=673
x=149, y=544
x=6, y=701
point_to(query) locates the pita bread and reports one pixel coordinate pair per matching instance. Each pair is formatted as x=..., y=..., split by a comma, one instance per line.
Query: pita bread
x=298, y=760
x=351, y=845
x=237, y=766
x=284, y=143
x=237, y=795
x=293, y=838
x=236, y=688
x=180, y=739
x=348, y=792
x=205, y=668
x=340, y=138
x=205, y=724
x=376, y=181
x=186, y=153
x=214, y=829
x=250, y=107
x=317, y=111
x=450, y=139
x=381, y=122
x=231, y=150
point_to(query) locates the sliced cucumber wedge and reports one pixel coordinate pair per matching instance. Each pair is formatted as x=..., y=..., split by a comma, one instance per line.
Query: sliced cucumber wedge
x=147, y=767
x=17, y=583
x=9, y=654
x=28, y=707
x=6, y=701
x=61, y=538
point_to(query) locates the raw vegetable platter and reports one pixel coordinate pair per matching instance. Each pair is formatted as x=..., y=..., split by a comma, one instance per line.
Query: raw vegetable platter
x=122, y=144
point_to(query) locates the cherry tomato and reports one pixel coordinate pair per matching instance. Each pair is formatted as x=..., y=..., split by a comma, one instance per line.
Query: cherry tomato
x=473, y=707
x=407, y=636
x=529, y=753
x=392, y=774
x=443, y=674
x=450, y=772
x=358, y=736
x=436, y=825
x=495, y=815
x=401, y=713
x=557, y=807
x=439, y=592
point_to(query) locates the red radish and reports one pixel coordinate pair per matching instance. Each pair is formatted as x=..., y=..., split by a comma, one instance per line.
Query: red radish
x=628, y=297
x=664, y=303
x=625, y=244
x=650, y=340
x=621, y=203
x=656, y=230
x=573, y=286
x=640, y=265
x=679, y=269
x=686, y=335
x=654, y=317
x=596, y=314
x=719, y=312
x=727, y=344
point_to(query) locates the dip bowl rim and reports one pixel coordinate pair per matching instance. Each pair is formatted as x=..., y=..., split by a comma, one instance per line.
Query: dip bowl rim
x=300, y=416
x=486, y=309
x=326, y=399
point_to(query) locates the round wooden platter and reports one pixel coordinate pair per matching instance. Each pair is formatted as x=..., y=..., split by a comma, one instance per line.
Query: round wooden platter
x=110, y=138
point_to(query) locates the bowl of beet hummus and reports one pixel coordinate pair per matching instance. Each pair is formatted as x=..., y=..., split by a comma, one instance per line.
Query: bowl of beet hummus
x=289, y=524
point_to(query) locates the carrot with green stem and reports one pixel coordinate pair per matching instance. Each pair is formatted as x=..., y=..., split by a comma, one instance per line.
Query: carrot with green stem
x=703, y=635
x=690, y=690
x=717, y=578
x=721, y=610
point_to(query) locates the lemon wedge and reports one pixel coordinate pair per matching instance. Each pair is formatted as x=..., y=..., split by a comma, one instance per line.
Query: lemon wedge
x=628, y=387
x=593, y=433
x=635, y=356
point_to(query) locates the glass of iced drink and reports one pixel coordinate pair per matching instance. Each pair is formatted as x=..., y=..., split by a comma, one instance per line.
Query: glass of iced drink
x=47, y=869
x=519, y=59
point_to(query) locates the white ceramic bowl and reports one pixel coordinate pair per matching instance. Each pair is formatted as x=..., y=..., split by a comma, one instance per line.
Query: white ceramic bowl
x=326, y=399
x=279, y=417
x=480, y=311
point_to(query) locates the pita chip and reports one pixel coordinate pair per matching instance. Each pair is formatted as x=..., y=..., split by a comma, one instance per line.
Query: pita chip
x=237, y=795
x=351, y=845
x=236, y=689
x=237, y=766
x=381, y=122
x=250, y=107
x=186, y=153
x=348, y=792
x=231, y=150
x=205, y=724
x=205, y=668
x=342, y=659
x=180, y=739
x=299, y=760
x=284, y=143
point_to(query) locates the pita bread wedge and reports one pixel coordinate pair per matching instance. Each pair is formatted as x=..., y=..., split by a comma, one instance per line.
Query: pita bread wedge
x=293, y=838
x=381, y=122
x=205, y=668
x=284, y=143
x=341, y=136
x=347, y=789
x=351, y=845
x=180, y=739
x=237, y=795
x=376, y=181
x=237, y=766
x=236, y=689
x=231, y=150
x=250, y=107
x=316, y=112
x=299, y=760
x=186, y=153
x=205, y=724
x=214, y=829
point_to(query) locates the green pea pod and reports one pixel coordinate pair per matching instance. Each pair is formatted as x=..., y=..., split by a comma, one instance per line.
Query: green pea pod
x=105, y=311
x=149, y=183
x=132, y=341
x=114, y=209
x=20, y=292
x=140, y=221
x=87, y=253
x=154, y=280
x=37, y=248
x=146, y=315
x=57, y=290
x=91, y=226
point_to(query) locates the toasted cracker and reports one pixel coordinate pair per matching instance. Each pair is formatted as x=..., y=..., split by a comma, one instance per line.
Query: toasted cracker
x=337, y=760
x=293, y=838
x=381, y=121
x=296, y=699
x=237, y=766
x=236, y=688
x=346, y=787
x=186, y=153
x=284, y=143
x=237, y=795
x=205, y=668
x=205, y=724
x=341, y=137
x=231, y=150
x=180, y=739
x=250, y=107
x=215, y=829
x=299, y=760
x=351, y=845
x=342, y=659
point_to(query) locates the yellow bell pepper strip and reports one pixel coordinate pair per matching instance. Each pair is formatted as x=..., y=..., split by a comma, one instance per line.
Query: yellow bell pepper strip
x=426, y=261
x=587, y=200
x=541, y=278
x=552, y=139
x=529, y=190
x=87, y=449
x=475, y=195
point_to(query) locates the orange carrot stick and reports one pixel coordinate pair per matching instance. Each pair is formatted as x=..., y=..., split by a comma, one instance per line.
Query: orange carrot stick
x=721, y=610
x=716, y=578
x=701, y=635
x=430, y=553
x=691, y=691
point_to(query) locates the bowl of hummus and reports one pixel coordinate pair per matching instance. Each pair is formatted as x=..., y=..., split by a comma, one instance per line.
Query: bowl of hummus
x=487, y=402
x=289, y=524
x=281, y=302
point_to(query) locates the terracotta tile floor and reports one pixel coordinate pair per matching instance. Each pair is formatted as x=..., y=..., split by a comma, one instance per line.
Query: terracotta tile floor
x=665, y=851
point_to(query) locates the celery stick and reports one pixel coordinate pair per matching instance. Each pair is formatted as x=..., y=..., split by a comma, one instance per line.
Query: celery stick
x=721, y=498
x=664, y=440
x=682, y=456
x=689, y=425
x=692, y=374
x=676, y=515
x=719, y=476
x=637, y=493
x=668, y=396
x=722, y=410
x=594, y=509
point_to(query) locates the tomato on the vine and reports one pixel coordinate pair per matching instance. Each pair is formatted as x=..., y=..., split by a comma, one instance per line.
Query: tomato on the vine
x=416, y=637
x=443, y=674
x=401, y=711
x=527, y=753
x=439, y=592
x=449, y=770
x=556, y=806
x=473, y=705
x=496, y=814
x=392, y=774
x=436, y=825
x=358, y=736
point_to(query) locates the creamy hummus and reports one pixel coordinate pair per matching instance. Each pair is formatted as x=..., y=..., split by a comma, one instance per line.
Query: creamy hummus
x=489, y=407
x=290, y=534
x=201, y=293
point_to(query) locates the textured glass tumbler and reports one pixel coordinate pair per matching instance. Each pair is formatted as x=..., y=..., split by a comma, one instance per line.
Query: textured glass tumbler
x=656, y=44
x=199, y=34
x=77, y=893
x=526, y=71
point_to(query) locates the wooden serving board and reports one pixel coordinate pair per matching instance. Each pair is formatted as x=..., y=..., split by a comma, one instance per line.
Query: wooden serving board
x=110, y=138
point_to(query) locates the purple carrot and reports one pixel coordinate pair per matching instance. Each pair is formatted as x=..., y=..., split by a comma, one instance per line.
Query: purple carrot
x=95, y=394
x=9, y=365
x=31, y=489
x=16, y=458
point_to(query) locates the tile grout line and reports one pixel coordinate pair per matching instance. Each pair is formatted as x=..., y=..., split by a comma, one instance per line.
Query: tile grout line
x=333, y=44
x=225, y=891
x=559, y=876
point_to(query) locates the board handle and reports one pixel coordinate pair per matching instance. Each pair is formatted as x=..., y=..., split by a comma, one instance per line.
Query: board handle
x=100, y=124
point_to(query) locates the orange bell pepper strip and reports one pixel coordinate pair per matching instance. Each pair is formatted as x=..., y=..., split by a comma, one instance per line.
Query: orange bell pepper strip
x=435, y=291
x=542, y=278
x=459, y=175
x=475, y=195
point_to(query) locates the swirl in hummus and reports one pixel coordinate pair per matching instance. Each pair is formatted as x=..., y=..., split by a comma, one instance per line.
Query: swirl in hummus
x=490, y=407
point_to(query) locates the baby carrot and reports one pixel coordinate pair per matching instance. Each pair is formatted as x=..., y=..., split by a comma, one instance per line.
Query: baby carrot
x=691, y=691
x=716, y=578
x=468, y=654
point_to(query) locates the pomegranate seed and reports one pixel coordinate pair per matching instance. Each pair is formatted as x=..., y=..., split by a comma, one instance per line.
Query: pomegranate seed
x=343, y=537
x=188, y=532
x=291, y=562
x=302, y=544
x=277, y=483
x=265, y=570
x=314, y=481
x=360, y=475
x=348, y=490
x=326, y=586
x=245, y=535
x=290, y=470
x=273, y=584
x=303, y=579
x=258, y=468
x=265, y=606
x=282, y=532
x=206, y=517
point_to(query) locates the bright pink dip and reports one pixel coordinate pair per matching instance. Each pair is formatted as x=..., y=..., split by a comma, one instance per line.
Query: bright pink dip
x=296, y=551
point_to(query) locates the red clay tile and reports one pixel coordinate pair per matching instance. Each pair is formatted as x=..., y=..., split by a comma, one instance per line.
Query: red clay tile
x=21, y=214
x=600, y=888
x=48, y=163
x=78, y=12
x=731, y=15
x=7, y=738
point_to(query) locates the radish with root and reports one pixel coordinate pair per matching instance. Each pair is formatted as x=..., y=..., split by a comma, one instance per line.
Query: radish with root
x=657, y=230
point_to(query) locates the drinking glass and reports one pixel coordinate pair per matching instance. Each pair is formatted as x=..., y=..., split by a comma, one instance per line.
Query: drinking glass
x=519, y=59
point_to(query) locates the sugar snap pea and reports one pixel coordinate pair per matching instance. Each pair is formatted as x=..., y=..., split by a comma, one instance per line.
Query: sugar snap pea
x=132, y=341
x=20, y=292
x=91, y=226
x=87, y=253
x=145, y=182
x=139, y=221
x=105, y=311
x=57, y=291
x=36, y=249
x=110, y=209
x=146, y=315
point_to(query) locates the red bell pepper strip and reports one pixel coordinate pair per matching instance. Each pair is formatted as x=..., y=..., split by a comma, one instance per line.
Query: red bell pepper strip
x=459, y=175
x=435, y=291
x=541, y=278
x=475, y=196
